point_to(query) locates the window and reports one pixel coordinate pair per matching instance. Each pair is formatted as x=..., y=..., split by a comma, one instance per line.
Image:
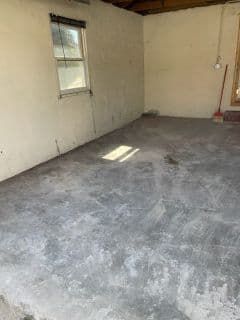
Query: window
x=70, y=53
x=236, y=79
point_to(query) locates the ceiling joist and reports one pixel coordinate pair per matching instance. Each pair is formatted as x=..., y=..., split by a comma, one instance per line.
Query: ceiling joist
x=145, y=7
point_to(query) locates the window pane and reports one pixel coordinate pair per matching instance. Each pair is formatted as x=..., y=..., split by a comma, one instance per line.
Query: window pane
x=71, y=74
x=66, y=40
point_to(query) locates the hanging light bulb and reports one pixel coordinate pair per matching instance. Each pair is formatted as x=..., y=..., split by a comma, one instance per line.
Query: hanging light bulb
x=218, y=64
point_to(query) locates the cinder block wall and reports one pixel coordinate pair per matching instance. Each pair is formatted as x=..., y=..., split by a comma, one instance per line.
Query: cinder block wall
x=33, y=118
x=180, y=51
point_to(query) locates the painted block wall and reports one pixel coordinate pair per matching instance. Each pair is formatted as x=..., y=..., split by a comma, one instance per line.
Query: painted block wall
x=180, y=51
x=32, y=117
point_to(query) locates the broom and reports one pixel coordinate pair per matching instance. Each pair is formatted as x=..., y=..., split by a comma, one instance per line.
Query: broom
x=218, y=116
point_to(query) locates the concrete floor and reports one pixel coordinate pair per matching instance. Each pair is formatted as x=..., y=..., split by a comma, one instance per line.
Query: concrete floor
x=154, y=237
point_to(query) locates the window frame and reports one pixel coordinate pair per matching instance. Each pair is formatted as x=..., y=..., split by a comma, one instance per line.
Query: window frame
x=236, y=76
x=83, y=49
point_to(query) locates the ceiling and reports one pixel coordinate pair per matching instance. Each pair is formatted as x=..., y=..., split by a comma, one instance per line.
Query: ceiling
x=145, y=7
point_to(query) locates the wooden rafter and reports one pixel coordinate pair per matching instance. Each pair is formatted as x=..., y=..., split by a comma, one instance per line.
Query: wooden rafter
x=157, y=6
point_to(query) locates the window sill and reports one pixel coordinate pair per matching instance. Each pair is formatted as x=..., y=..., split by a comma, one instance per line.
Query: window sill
x=74, y=93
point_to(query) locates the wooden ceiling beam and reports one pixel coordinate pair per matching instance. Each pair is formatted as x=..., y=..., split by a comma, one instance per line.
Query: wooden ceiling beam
x=118, y=1
x=159, y=6
x=176, y=3
x=170, y=5
x=141, y=6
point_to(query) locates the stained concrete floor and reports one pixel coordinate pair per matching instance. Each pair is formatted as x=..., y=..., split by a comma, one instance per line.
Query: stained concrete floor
x=154, y=237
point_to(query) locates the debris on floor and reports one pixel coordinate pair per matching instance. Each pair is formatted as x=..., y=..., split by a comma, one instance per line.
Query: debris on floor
x=169, y=160
x=151, y=114
x=9, y=312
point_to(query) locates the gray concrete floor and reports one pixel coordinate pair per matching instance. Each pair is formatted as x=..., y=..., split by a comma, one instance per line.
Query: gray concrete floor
x=154, y=237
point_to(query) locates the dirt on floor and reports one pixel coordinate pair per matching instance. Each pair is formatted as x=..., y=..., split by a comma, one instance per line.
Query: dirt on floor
x=8, y=312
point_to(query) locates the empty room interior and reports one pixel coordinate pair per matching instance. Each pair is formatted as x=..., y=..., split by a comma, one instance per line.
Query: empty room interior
x=119, y=160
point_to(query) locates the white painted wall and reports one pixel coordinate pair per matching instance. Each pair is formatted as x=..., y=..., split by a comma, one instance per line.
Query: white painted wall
x=32, y=116
x=180, y=50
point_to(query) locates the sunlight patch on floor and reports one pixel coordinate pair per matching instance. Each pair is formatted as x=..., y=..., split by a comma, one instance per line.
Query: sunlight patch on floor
x=129, y=155
x=121, y=153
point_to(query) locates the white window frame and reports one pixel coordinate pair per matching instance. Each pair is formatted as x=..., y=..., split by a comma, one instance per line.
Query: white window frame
x=84, y=59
